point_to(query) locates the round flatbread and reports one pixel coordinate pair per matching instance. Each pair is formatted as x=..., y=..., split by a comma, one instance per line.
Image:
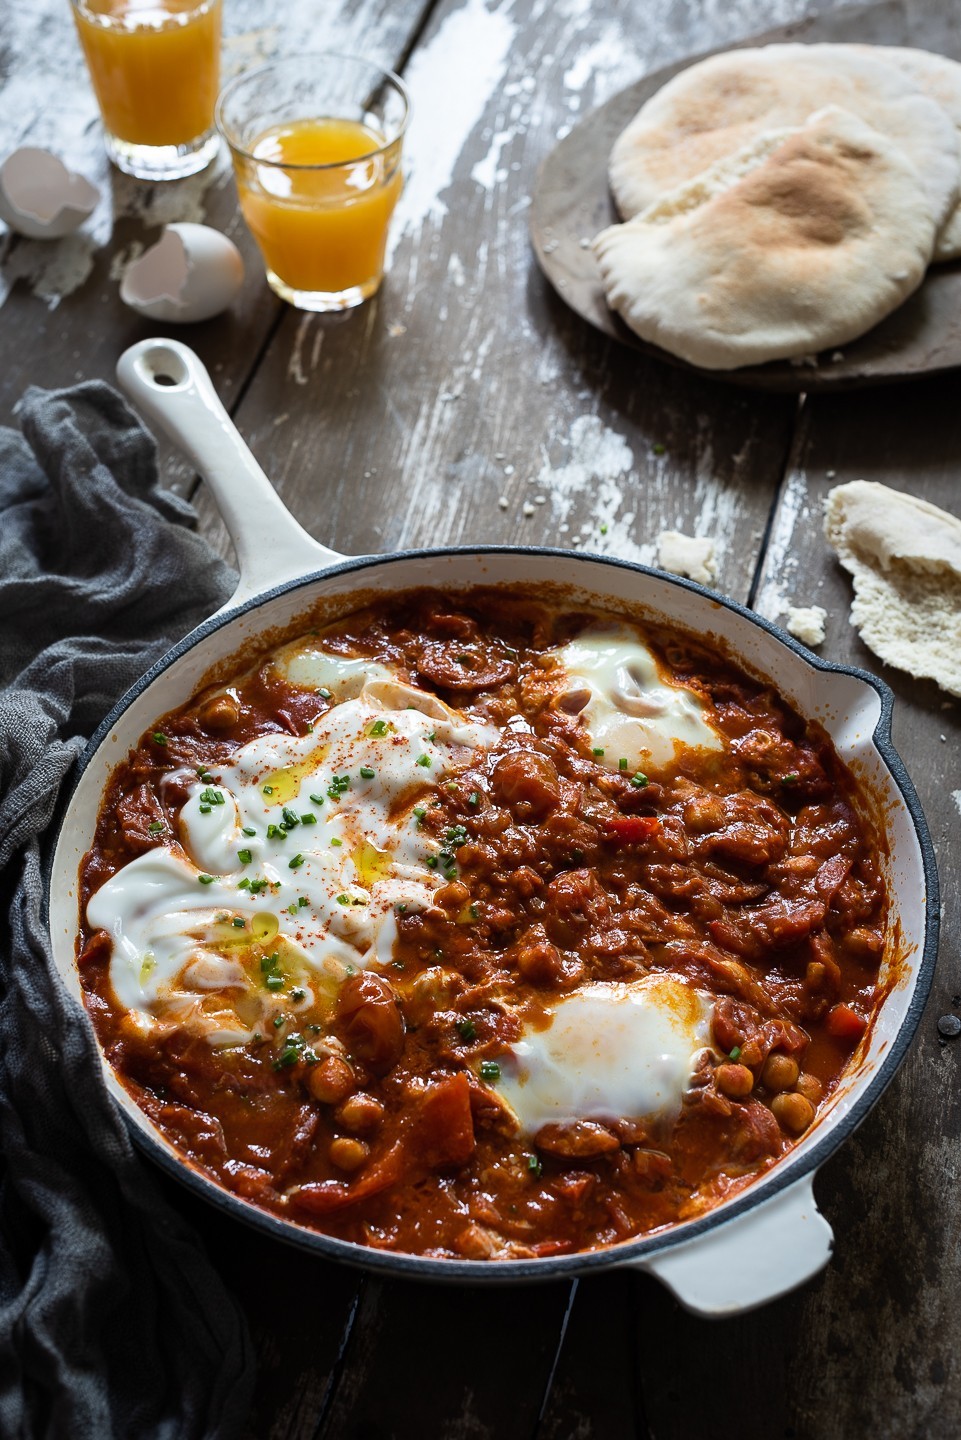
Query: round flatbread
x=940, y=79
x=801, y=241
x=721, y=104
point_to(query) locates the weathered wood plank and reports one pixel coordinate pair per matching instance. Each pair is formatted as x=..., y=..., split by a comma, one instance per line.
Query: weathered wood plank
x=467, y=380
x=60, y=299
x=871, y=1347
x=462, y=1364
x=595, y=1390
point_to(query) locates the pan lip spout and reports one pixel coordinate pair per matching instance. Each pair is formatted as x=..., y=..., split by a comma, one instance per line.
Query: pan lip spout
x=798, y=1164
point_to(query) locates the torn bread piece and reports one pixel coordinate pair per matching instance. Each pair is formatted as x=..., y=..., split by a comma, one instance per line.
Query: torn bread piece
x=905, y=558
x=802, y=241
x=714, y=108
x=689, y=555
x=806, y=623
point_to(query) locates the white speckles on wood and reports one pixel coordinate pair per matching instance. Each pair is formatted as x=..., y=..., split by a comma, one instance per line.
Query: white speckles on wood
x=465, y=354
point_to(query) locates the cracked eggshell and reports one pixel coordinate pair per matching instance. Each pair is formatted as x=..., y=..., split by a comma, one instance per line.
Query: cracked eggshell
x=192, y=273
x=40, y=197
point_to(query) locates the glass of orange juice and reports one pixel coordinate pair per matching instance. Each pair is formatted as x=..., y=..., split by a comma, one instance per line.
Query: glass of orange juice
x=155, y=67
x=316, y=142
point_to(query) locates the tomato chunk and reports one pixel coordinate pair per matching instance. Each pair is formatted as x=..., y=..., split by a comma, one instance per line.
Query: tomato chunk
x=846, y=1024
x=444, y=1126
x=632, y=829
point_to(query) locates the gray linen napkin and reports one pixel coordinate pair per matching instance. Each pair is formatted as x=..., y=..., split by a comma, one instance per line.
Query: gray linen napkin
x=113, y=1324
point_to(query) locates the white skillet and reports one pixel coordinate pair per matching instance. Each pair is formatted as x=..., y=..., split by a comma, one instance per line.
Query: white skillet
x=771, y=1237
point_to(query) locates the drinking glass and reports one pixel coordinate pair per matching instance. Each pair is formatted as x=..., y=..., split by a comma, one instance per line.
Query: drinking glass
x=155, y=68
x=316, y=143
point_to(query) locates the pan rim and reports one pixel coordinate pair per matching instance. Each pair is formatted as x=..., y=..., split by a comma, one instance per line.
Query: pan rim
x=792, y=1169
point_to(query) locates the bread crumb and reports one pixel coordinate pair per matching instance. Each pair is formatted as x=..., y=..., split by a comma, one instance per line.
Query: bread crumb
x=806, y=623
x=688, y=555
x=527, y=510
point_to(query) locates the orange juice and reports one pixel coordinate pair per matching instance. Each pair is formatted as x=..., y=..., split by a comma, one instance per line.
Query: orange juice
x=320, y=210
x=154, y=64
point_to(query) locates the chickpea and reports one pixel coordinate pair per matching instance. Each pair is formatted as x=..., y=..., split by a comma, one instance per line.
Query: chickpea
x=347, y=1154
x=453, y=896
x=220, y=712
x=331, y=1080
x=359, y=1113
x=810, y=1087
x=734, y=1080
x=780, y=1072
x=792, y=1112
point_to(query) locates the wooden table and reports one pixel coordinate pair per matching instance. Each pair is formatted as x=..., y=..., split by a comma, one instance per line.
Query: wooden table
x=405, y=423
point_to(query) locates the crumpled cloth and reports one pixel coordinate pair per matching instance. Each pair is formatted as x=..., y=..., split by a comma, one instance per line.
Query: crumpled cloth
x=113, y=1323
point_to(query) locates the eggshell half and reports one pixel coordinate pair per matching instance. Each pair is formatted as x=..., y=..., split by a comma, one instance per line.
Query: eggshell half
x=40, y=197
x=192, y=273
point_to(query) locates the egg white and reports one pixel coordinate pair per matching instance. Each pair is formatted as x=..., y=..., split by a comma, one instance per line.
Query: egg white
x=611, y=1050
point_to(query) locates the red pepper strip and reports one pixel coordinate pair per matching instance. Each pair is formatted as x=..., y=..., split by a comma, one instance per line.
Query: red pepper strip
x=843, y=1023
x=632, y=829
x=326, y=1197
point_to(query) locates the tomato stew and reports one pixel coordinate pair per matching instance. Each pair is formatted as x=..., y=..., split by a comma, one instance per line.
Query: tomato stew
x=397, y=892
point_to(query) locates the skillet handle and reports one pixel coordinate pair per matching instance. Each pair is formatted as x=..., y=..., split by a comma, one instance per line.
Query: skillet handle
x=749, y=1260
x=171, y=386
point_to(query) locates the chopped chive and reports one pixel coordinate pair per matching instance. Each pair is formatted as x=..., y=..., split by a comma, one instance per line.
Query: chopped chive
x=474, y=910
x=295, y=862
x=473, y=798
x=275, y=982
x=424, y=760
x=291, y=909
x=238, y=923
x=598, y=750
x=298, y=993
x=243, y=884
x=735, y=1053
x=155, y=827
x=291, y=818
x=205, y=809
x=379, y=727
x=466, y=1029
x=248, y=830
x=327, y=694
x=275, y=832
x=622, y=763
x=278, y=1021
x=534, y=1165
x=639, y=780
x=244, y=856
x=366, y=773
x=490, y=1070
x=159, y=738
x=317, y=799
x=659, y=448
x=308, y=819
x=268, y=789
x=335, y=841
x=206, y=879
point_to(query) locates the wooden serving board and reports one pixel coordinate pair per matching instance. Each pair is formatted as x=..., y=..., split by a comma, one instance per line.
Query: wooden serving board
x=572, y=202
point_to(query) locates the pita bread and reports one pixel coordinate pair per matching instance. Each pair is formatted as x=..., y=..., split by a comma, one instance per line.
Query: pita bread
x=905, y=557
x=940, y=79
x=721, y=104
x=800, y=242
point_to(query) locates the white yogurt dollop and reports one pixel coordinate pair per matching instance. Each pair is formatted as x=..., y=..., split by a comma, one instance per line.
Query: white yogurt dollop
x=319, y=833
